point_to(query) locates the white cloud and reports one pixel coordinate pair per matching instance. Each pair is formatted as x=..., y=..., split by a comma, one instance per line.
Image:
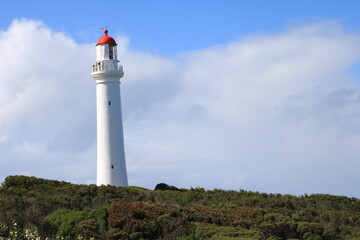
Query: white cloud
x=274, y=113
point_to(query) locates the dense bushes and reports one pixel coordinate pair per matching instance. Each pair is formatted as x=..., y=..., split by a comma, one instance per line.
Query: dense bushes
x=54, y=208
x=70, y=224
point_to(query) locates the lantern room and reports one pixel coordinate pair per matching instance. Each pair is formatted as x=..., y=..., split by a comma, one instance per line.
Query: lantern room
x=106, y=48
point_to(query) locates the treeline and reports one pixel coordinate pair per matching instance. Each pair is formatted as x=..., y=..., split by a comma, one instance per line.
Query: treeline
x=33, y=208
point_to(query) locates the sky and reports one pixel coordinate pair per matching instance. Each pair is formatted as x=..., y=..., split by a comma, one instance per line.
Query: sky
x=255, y=95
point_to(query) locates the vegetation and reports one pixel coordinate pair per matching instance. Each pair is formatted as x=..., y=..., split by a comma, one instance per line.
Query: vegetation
x=33, y=208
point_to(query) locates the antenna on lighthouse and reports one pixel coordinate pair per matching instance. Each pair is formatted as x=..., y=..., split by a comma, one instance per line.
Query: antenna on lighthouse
x=104, y=28
x=111, y=165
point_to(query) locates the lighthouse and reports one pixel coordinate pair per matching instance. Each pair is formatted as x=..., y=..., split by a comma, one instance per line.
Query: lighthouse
x=111, y=165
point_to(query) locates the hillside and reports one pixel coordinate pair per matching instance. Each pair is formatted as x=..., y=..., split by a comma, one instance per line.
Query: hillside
x=31, y=208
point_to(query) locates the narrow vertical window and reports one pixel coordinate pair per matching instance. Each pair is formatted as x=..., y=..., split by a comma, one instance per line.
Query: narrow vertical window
x=112, y=166
x=115, y=52
x=109, y=103
x=111, y=52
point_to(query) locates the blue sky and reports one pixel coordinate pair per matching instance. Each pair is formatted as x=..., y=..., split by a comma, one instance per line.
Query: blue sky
x=255, y=95
x=169, y=27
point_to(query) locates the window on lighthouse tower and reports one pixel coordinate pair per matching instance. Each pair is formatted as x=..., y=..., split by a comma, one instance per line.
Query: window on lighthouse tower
x=112, y=51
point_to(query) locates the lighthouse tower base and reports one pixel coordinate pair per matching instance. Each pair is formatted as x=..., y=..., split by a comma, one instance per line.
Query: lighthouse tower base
x=111, y=167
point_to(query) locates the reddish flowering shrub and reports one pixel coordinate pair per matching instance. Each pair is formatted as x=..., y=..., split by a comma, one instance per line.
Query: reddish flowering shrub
x=132, y=216
x=250, y=214
x=156, y=220
x=219, y=217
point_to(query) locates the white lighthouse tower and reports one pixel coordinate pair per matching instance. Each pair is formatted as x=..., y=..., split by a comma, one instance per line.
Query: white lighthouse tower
x=111, y=166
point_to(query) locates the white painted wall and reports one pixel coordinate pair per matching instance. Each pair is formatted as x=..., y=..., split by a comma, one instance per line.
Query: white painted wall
x=111, y=164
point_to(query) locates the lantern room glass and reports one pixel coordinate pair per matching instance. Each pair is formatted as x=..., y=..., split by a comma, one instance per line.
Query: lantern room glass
x=106, y=52
x=112, y=52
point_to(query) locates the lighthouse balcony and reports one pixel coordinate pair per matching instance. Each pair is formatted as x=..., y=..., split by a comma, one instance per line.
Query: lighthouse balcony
x=109, y=65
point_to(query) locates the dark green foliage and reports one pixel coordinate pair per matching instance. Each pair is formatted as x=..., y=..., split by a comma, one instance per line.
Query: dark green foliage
x=65, y=222
x=190, y=237
x=69, y=224
x=4, y=230
x=213, y=231
x=59, y=208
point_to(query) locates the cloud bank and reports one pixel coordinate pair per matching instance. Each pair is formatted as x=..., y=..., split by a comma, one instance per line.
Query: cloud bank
x=271, y=113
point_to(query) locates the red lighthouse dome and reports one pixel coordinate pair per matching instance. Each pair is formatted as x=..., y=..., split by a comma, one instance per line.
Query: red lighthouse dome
x=106, y=39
